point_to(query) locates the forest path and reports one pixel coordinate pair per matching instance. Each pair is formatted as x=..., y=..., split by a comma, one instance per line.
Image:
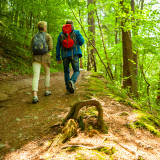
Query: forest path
x=24, y=126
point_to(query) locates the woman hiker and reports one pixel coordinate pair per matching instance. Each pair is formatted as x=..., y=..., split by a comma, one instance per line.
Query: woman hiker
x=41, y=44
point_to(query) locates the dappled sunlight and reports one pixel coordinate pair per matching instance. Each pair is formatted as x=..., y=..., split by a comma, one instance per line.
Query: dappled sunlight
x=37, y=125
x=29, y=151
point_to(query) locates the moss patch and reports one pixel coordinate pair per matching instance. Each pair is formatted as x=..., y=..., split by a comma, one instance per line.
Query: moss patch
x=148, y=121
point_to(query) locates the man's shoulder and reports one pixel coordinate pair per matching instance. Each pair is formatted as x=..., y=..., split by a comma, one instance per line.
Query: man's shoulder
x=76, y=31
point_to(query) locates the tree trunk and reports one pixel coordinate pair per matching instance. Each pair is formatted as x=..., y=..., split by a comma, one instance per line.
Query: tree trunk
x=91, y=29
x=129, y=76
x=116, y=42
x=81, y=64
x=158, y=90
x=142, y=3
x=88, y=59
x=135, y=32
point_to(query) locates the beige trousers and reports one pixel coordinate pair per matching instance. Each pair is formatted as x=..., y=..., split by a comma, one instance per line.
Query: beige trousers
x=36, y=74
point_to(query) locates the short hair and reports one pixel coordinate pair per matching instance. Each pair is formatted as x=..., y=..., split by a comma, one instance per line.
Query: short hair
x=41, y=25
x=69, y=22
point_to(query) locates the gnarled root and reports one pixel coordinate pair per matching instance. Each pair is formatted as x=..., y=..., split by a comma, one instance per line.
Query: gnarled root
x=73, y=114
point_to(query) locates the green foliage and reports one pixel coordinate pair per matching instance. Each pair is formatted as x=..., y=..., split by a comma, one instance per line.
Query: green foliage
x=18, y=24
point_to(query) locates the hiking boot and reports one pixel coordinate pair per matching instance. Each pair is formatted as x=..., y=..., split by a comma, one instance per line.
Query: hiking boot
x=68, y=92
x=35, y=99
x=71, y=87
x=47, y=93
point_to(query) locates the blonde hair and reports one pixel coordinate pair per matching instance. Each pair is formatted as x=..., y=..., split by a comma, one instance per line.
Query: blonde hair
x=41, y=25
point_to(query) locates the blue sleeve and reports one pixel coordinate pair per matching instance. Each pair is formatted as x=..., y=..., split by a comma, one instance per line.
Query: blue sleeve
x=80, y=38
x=58, y=48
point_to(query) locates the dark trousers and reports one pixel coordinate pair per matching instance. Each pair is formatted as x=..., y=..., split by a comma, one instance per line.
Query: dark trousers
x=75, y=65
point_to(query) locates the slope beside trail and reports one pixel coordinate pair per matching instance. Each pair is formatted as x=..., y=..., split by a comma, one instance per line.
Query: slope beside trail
x=24, y=126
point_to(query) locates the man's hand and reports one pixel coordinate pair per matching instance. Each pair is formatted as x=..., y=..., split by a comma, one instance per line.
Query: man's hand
x=59, y=62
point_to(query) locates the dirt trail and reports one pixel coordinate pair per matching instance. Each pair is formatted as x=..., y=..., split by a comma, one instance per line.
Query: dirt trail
x=24, y=126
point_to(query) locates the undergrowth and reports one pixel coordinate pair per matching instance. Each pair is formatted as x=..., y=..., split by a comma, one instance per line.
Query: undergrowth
x=16, y=57
x=20, y=62
x=148, y=116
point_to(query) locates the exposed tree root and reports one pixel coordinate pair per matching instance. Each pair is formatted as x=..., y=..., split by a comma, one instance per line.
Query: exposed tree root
x=107, y=150
x=74, y=111
x=68, y=131
x=71, y=125
x=137, y=156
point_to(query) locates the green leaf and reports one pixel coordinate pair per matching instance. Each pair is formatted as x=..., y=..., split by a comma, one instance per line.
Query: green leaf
x=2, y=145
x=18, y=119
x=35, y=117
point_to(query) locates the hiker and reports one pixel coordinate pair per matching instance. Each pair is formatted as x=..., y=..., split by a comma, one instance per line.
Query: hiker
x=68, y=43
x=41, y=44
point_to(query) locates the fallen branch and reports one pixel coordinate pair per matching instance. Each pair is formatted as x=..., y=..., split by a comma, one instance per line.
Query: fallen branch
x=137, y=156
x=106, y=150
x=82, y=146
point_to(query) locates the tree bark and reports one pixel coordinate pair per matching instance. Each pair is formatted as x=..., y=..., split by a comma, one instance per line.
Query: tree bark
x=129, y=76
x=116, y=42
x=88, y=59
x=158, y=90
x=91, y=29
x=142, y=3
x=81, y=64
x=135, y=32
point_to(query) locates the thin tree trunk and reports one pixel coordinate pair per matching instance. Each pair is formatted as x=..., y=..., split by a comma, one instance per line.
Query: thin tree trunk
x=135, y=54
x=88, y=59
x=158, y=90
x=104, y=46
x=91, y=29
x=81, y=64
x=142, y=3
x=31, y=17
x=116, y=42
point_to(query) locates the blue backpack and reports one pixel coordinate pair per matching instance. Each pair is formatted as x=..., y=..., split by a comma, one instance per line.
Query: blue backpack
x=40, y=45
